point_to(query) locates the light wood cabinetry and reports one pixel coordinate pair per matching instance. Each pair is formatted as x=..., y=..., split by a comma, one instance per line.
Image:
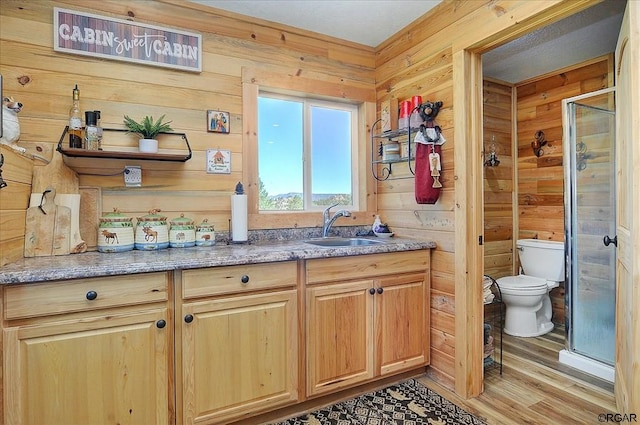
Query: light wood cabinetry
x=89, y=351
x=367, y=316
x=212, y=345
x=238, y=329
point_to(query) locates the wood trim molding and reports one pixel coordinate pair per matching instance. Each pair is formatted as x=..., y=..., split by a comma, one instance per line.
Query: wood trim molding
x=252, y=80
x=469, y=212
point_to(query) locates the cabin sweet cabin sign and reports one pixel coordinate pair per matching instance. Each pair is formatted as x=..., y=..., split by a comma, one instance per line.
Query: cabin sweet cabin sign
x=110, y=38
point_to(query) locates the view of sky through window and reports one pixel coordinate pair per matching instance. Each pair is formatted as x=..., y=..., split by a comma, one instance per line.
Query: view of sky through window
x=294, y=134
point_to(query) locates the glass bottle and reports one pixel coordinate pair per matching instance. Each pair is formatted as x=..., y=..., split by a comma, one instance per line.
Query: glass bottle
x=99, y=130
x=91, y=135
x=75, y=121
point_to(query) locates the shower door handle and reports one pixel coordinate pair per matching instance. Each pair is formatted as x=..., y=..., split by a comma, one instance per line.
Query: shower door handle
x=607, y=240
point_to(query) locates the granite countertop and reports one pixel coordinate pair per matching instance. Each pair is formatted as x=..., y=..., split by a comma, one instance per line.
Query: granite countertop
x=96, y=264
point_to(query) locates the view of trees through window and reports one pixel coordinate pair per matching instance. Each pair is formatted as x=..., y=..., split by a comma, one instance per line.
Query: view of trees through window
x=304, y=153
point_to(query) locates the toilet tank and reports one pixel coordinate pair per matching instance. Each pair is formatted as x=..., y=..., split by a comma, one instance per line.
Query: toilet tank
x=543, y=259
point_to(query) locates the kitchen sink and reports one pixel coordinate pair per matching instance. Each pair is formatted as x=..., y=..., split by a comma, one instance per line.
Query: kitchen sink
x=337, y=242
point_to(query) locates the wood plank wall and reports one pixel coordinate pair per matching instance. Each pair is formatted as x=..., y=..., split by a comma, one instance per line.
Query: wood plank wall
x=498, y=180
x=541, y=179
x=43, y=80
x=419, y=61
x=14, y=201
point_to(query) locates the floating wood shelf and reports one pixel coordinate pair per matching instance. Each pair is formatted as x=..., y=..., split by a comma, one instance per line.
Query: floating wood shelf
x=109, y=154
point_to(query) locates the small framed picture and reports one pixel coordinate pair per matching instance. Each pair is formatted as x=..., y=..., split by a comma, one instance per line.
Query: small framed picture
x=218, y=161
x=218, y=121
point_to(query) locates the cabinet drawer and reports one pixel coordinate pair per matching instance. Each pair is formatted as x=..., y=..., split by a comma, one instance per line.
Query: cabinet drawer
x=44, y=299
x=364, y=266
x=231, y=279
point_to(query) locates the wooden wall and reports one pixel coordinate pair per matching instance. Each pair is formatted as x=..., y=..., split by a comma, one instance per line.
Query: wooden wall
x=541, y=179
x=499, y=187
x=14, y=200
x=419, y=61
x=43, y=81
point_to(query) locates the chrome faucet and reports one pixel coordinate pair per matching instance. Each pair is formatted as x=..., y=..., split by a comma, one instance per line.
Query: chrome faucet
x=328, y=222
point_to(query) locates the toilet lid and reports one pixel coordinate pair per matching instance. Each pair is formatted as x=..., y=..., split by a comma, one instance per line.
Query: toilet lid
x=522, y=283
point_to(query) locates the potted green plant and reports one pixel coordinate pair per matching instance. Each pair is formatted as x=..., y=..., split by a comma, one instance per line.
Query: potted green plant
x=148, y=129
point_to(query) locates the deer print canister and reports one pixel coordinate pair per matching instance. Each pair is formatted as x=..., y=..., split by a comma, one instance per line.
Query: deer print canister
x=182, y=232
x=152, y=232
x=205, y=234
x=115, y=232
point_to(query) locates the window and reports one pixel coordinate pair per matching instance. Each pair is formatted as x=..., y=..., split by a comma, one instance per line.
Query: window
x=306, y=153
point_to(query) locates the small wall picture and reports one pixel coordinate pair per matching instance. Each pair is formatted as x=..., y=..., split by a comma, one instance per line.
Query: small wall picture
x=218, y=161
x=218, y=121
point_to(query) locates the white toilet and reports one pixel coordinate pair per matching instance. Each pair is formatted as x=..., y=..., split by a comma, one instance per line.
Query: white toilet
x=526, y=296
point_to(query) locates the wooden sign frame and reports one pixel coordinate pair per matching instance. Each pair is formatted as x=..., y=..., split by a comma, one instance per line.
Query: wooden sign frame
x=110, y=38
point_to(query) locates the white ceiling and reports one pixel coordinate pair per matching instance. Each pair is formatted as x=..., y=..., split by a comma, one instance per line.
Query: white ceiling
x=577, y=38
x=368, y=22
x=583, y=36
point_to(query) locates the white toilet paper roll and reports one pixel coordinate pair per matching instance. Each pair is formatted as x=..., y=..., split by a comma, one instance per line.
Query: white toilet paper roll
x=239, y=226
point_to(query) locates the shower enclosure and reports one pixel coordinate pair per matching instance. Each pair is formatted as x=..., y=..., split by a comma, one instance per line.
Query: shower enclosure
x=590, y=220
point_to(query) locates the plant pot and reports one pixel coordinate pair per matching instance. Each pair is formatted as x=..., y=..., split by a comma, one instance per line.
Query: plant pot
x=148, y=145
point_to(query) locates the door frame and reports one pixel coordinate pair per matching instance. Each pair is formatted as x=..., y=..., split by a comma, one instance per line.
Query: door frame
x=469, y=203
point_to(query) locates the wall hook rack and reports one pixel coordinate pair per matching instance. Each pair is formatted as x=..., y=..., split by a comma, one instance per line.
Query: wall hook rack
x=491, y=159
x=538, y=143
x=386, y=168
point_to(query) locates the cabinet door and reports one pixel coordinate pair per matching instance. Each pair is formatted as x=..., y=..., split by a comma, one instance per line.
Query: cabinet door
x=402, y=323
x=239, y=356
x=339, y=335
x=99, y=370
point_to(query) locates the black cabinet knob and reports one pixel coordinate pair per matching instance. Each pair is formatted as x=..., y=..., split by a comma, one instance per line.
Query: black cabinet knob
x=244, y=279
x=380, y=290
x=372, y=291
x=188, y=318
x=92, y=295
x=161, y=324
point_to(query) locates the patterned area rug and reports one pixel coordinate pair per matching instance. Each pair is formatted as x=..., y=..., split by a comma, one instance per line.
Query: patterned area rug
x=407, y=403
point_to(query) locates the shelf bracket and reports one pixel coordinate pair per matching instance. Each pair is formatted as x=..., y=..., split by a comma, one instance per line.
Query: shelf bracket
x=106, y=154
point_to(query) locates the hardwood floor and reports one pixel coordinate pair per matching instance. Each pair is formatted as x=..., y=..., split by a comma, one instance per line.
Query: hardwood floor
x=535, y=388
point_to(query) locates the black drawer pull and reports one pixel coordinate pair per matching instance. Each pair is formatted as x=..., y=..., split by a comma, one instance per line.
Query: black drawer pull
x=92, y=295
x=244, y=279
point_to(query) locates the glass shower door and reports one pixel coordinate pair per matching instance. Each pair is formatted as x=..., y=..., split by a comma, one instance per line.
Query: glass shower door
x=590, y=219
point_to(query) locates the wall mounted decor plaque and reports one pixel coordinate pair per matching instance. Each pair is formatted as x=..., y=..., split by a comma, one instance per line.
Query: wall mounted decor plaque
x=110, y=38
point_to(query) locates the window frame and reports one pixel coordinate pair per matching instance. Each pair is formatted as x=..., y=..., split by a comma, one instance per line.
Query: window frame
x=308, y=102
x=329, y=86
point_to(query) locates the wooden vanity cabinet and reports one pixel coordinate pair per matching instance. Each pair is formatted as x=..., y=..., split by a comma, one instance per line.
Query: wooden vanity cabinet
x=238, y=326
x=88, y=351
x=367, y=316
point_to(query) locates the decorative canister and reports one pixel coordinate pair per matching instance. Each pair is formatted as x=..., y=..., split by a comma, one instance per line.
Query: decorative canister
x=205, y=234
x=152, y=231
x=182, y=232
x=115, y=232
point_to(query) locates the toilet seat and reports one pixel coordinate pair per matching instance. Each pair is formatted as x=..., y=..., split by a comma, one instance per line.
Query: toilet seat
x=523, y=285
